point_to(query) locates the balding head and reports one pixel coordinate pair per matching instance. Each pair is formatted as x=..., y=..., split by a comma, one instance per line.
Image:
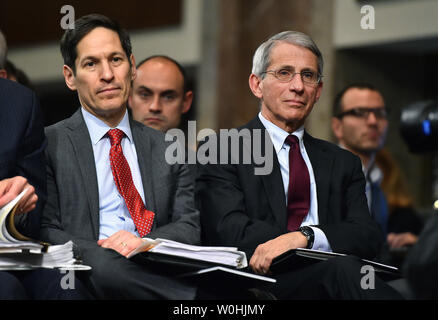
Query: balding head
x=159, y=96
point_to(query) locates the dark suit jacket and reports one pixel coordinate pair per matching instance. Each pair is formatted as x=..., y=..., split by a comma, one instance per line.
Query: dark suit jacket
x=421, y=264
x=239, y=208
x=22, y=146
x=72, y=209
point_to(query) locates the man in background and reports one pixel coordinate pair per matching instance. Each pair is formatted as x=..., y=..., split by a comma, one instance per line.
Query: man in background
x=360, y=124
x=160, y=94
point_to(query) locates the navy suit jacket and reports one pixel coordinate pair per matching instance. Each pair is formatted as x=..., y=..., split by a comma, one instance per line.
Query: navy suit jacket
x=22, y=143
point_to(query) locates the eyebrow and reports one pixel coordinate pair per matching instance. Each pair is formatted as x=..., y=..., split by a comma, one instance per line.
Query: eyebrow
x=287, y=66
x=93, y=57
x=141, y=87
x=167, y=91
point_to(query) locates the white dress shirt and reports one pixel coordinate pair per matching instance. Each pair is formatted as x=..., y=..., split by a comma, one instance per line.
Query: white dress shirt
x=372, y=175
x=278, y=137
x=113, y=212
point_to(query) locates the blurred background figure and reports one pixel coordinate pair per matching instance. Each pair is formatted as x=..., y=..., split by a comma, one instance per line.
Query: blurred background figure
x=404, y=223
x=17, y=75
x=3, y=53
x=160, y=94
x=360, y=124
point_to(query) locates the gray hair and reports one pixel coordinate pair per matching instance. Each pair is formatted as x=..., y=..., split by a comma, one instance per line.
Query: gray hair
x=262, y=56
x=3, y=50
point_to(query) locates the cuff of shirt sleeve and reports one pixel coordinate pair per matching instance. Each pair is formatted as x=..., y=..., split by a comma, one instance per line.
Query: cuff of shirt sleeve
x=321, y=243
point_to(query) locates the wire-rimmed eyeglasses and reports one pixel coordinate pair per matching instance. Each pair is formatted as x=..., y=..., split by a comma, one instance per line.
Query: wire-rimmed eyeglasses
x=307, y=76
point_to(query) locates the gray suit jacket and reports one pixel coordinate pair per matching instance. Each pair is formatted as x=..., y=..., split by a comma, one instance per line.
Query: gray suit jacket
x=72, y=208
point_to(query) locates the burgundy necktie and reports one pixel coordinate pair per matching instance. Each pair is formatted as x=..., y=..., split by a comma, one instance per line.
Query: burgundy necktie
x=142, y=218
x=298, y=196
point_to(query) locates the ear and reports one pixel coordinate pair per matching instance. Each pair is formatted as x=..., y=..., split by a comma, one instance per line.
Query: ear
x=3, y=74
x=69, y=77
x=130, y=98
x=337, y=128
x=187, y=103
x=133, y=68
x=256, y=85
x=319, y=91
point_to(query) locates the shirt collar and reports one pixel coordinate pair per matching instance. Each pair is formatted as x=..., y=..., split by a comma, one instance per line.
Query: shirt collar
x=373, y=174
x=278, y=135
x=98, y=129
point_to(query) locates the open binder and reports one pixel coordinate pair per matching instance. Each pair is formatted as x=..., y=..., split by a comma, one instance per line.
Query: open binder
x=183, y=257
x=300, y=257
x=220, y=269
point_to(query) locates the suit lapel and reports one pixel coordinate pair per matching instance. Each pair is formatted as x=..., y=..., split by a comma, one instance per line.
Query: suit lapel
x=144, y=154
x=273, y=182
x=83, y=151
x=321, y=164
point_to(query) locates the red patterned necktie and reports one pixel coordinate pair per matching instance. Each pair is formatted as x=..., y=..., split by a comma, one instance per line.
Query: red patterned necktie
x=142, y=218
x=298, y=196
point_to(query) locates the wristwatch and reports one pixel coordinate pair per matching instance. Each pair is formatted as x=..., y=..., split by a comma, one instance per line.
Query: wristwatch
x=309, y=234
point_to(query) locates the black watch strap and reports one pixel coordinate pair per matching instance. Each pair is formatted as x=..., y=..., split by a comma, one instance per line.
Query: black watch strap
x=309, y=234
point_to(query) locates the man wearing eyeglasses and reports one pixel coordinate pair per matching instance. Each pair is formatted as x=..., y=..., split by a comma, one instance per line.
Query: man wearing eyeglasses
x=313, y=198
x=359, y=123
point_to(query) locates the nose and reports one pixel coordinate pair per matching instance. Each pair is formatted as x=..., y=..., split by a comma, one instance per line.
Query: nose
x=155, y=105
x=107, y=72
x=296, y=83
x=372, y=119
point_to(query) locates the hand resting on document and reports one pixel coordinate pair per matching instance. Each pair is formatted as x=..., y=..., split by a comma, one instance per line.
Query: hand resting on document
x=264, y=254
x=122, y=241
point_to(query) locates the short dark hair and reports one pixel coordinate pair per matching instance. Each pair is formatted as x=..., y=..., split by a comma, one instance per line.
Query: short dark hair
x=337, y=102
x=186, y=86
x=85, y=25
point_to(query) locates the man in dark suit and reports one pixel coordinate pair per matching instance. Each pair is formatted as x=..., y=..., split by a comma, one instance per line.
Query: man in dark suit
x=22, y=166
x=109, y=184
x=312, y=198
x=22, y=146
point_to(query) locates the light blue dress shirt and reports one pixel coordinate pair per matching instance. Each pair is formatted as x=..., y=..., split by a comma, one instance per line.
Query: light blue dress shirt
x=113, y=212
x=278, y=136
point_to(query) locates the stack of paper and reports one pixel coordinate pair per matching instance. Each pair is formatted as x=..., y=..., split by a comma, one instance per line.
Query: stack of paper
x=229, y=256
x=57, y=256
x=14, y=247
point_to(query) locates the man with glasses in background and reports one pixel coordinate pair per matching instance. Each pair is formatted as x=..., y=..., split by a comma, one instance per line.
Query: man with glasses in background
x=314, y=196
x=360, y=124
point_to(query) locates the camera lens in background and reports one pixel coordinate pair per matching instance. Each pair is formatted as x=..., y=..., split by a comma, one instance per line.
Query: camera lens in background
x=419, y=126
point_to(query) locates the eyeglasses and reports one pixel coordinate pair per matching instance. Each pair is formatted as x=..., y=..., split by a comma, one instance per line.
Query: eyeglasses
x=364, y=113
x=284, y=75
